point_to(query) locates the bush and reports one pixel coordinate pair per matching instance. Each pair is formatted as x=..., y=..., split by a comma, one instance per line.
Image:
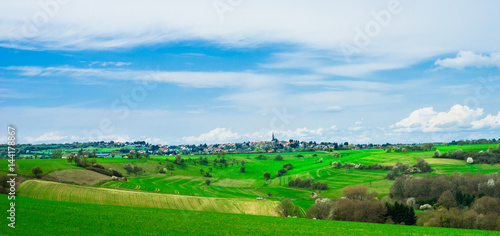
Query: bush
x=170, y=166
x=423, y=165
x=320, y=211
x=98, y=166
x=115, y=173
x=307, y=183
x=178, y=160
x=358, y=192
x=207, y=182
x=261, y=157
x=278, y=158
x=288, y=166
x=129, y=168
x=486, y=205
x=400, y=213
x=108, y=172
x=425, y=207
x=207, y=174
x=4, y=185
x=447, y=199
x=393, y=174
x=137, y=170
x=337, y=164
x=285, y=208
x=267, y=175
x=242, y=169
x=132, y=169
x=3, y=181
x=37, y=171
x=300, y=155
x=360, y=211
x=281, y=172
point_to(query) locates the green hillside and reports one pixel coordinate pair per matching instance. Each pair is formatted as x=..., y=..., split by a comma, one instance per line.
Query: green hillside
x=44, y=217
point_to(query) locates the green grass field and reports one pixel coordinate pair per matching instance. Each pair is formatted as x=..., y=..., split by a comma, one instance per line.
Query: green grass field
x=71, y=193
x=229, y=182
x=179, y=202
x=44, y=217
x=47, y=165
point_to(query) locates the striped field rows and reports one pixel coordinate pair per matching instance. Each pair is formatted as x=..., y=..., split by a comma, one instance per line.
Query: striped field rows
x=83, y=194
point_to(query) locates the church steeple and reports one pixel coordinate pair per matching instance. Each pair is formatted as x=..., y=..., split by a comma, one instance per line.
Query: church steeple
x=273, y=139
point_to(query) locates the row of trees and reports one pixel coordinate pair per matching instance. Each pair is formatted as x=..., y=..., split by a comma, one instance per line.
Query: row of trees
x=405, y=169
x=307, y=183
x=362, y=206
x=483, y=214
x=286, y=168
x=105, y=171
x=430, y=189
x=338, y=165
x=132, y=169
x=399, y=169
x=413, y=148
x=491, y=156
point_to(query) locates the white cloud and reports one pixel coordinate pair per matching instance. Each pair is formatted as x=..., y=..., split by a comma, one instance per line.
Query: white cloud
x=469, y=59
x=357, y=125
x=181, y=78
x=303, y=133
x=327, y=63
x=113, y=63
x=47, y=137
x=217, y=135
x=356, y=128
x=360, y=69
x=427, y=120
x=224, y=135
x=323, y=25
x=155, y=141
x=489, y=121
x=333, y=108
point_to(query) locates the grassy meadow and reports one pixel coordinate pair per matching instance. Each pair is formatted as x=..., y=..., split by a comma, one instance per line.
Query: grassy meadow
x=229, y=182
x=69, y=218
x=82, y=194
x=152, y=197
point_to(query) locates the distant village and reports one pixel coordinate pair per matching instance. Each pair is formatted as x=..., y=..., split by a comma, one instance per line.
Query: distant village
x=139, y=149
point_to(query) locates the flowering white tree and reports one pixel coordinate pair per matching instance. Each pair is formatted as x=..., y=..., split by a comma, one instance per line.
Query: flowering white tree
x=470, y=160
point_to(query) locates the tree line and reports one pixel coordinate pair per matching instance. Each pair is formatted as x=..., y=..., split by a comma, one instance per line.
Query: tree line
x=490, y=156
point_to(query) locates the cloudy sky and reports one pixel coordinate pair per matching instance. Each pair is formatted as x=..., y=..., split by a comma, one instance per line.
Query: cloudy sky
x=203, y=71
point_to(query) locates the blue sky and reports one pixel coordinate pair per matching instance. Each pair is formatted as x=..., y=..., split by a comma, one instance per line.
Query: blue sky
x=189, y=72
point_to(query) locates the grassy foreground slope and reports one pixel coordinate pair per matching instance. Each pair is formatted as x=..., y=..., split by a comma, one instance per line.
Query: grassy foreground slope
x=44, y=217
x=82, y=194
